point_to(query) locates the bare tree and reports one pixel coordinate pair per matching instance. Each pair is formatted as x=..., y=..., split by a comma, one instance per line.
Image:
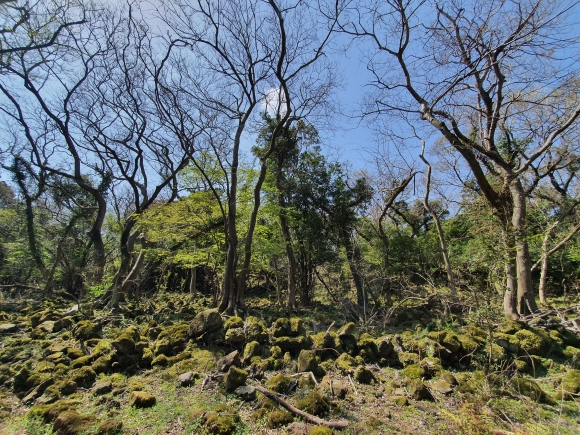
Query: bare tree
x=489, y=76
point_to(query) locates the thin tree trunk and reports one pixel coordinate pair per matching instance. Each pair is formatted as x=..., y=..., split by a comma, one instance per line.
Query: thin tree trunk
x=353, y=257
x=193, y=281
x=509, y=300
x=442, y=241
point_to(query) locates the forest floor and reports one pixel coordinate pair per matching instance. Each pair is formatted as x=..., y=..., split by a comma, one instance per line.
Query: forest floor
x=170, y=365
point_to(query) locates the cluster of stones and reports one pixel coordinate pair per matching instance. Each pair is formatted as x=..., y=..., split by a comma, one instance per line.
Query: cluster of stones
x=82, y=354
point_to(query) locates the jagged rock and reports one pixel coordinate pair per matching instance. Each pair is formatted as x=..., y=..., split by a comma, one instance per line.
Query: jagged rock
x=204, y=322
x=231, y=359
x=141, y=399
x=235, y=336
x=247, y=393
x=85, y=330
x=103, y=387
x=124, y=344
x=37, y=392
x=363, y=375
x=255, y=330
x=186, y=379
x=419, y=391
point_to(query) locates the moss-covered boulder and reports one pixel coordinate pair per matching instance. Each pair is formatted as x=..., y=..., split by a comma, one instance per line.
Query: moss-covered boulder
x=279, y=383
x=86, y=329
x=255, y=330
x=570, y=386
x=314, y=403
x=320, y=430
x=111, y=426
x=293, y=344
x=297, y=327
x=217, y=424
x=279, y=418
x=534, y=341
x=413, y=371
x=363, y=375
x=345, y=363
x=418, y=390
x=234, y=378
x=510, y=327
x=529, y=388
x=172, y=340
x=368, y=349
x=251, y=350
x=142, y=399
x=235, y=336
x=205, y=322
x=84, y=376
x=124, y=344
x=234, y=322
x=72, y=423
x=307, y=361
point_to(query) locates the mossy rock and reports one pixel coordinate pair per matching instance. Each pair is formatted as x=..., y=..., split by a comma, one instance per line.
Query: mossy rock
x=276, y=352
x=314, y=403
x=251, y=350
x=142, y=399
x=255, y=330
x=399, y=401
x=124, y=344
x=278, y=419
x=205, y=322
x=320, y=430
x=172, y=340
x=419, y=391
x=364, y=376
x=217, y=424
x=67, y=387
x=570, y=386
x=293, y=344
x=569, y=338
x=449, y=378
x=471, y=382
x=307, y=361
x=234, y=378
x=19, y=383
x=534, y=342
x=297, y=327
x=82, y=361
x=326, y=340
x=413, y=371
x=348, y=329
x=474, y=331
x=111, y=426
x=469, y=344
x=234, y=322
x=407, y=358
x=49, y=412
x=279, y=383
x=280, y=327
x=74, y=353
x=528, y=388
x=235, y=336
x=345, y=363
x=73, y=423
x=102, y=364
x=571, y=353
x=86, y=329
x=84, y=376
x=385, y=347
x=510, y=327
x=368, y=348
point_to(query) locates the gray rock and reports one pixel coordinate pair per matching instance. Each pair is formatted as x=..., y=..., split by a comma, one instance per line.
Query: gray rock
x=442, y=387
x=72, y=310
x=246, y=392
x=102, y=388
x=8, y=328
x=186, y=379
x=206, y=321
x=231, y=359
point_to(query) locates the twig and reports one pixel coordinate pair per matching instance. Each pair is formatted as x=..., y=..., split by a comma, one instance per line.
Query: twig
x=353, y=386
x=330, y=327
x=339, y=424
x=305, y=373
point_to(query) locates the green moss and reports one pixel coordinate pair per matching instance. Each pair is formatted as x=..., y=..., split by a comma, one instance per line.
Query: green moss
x=534, y=342
x=297, y=326
x=111, y=426
x=124, y=344
x=280, y=327
x=528, y=388
x=102, y=364
x=293, y=344
x=413, y=371
x=408, y=358
x=74, y=353
x=81, y=362
x=172, y=340
x=449, y=378
x=49, y=412
x=251, y=350
x=219, y=424
x=279, y=383
x=570, y=385
x=234, y=322
x=399, y=401
x=278, y=419
x=307, y=361
x=72, y=423
x=324, y=340
x=474, y=331
x=368, y=348
x=510, y=327
x=320, y=430
x=468, y=343
x=142, y=399
x=345, y=363
x=84, y=376
x=67, y=387
x=205, y=322
x=255, y=330
x=85, y=330
x=348, y=329
x=234, y=378
x=235, y=336
x=314, y=403
x=160, y=360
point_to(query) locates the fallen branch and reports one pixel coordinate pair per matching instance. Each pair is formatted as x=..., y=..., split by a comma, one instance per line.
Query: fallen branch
x=339, y=424
x=352, y=383
x=305, y=373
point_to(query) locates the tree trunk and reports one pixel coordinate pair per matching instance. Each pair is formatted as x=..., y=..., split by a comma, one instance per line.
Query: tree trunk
x=509, y=300
x=526, y=302
x=193, y=281
x=353, y=257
